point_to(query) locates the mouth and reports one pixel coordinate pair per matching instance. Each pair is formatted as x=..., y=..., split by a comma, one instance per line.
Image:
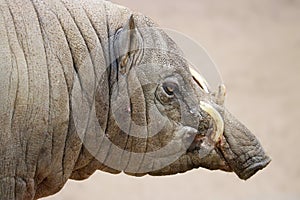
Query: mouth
x=210, y=130
x=207, y=141
x=206, y=153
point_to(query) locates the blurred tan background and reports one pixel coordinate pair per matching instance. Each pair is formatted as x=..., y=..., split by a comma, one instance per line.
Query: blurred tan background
x=256, y=44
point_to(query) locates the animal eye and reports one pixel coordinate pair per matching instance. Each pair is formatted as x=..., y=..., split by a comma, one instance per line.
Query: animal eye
x=169, y=88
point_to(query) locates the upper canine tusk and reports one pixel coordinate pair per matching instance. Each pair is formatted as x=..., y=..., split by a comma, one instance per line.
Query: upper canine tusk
x=200, y=80
x=220, y=96
x=217, y=118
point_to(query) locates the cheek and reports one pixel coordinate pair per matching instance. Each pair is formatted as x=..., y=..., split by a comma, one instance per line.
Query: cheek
x=188, y=118
x=172, y=111
x=146, y=112
x=180, y=112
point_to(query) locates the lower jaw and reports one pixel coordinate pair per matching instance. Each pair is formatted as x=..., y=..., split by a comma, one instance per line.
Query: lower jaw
x=217, y=159
x=213, y=160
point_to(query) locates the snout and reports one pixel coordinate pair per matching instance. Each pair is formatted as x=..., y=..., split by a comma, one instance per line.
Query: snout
x=241, y=149
x=231, y=144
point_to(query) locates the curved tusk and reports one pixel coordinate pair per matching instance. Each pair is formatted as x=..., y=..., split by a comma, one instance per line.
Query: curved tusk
x=216, y=137
x=200, y=80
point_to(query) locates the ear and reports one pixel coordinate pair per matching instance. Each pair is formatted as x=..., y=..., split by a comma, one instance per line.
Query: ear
x=126, y=43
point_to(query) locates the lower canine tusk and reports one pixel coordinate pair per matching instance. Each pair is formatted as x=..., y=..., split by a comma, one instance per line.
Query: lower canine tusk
x=216, y=117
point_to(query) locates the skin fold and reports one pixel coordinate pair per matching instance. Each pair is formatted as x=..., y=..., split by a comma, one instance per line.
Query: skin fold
x=89, y=85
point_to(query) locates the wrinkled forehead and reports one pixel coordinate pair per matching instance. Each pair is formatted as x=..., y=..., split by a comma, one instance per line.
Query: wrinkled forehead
x=156, y=43
x=160, y=54
x=156, y=38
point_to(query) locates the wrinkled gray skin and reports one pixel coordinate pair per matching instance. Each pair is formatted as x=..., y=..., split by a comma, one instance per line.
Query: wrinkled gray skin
x=46, y=47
